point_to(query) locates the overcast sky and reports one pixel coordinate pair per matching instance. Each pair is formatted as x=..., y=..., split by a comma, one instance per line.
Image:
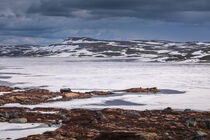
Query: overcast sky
x=50, y=21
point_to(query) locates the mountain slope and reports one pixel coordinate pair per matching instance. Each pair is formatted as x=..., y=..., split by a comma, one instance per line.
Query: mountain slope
x=152, y=50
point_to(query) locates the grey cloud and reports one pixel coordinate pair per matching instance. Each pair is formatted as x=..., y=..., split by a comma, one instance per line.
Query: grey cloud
x=166, y=10
x=162, y=10
x=56, y=19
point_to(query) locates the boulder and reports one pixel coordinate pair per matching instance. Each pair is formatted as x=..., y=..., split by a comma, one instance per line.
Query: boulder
x=187, y=110
x=18, y=120
x=5, y=115
x=63, y=117
x=191, y=123
x=94, y=121
x=200, y=135
x=12, y=114
x=208, y=124
x=168, y=109
x=100, y=116
x=65, y=90
x=39, y=119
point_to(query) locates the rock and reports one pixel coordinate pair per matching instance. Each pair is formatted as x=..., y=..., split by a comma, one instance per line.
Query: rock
x=51, y=133
x=168, y=109
x=76, y=95
x=147, y=135
x=51, y=139
x=103, y=118
x=208, y=124
x=18, y=120
x=199, y=135
x=3, y=119
x=53, y=122
x=187, y=110
x=63, y=117
x=100, y=116
x=5, y=115
x=17, y=88
x=101, y=92
x=65, y=90
x=1, y=115
x=167, y=134
x=133, y=113
x=139, y=90
x=59, y=121
x=136, y=113
x=50, y=124
x=72, y=95
x=98, y=113
x=94, y=121
x=182, y=115
x=190, y=123
x=22, y=110
x=12, y=114
x=39, y=119
x=5, y=89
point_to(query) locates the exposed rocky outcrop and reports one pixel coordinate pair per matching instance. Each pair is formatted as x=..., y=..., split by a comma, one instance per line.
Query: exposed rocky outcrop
x=115, y=123
x=101, y=92
x=18, y=120
x=33, y=96
x=5, y=89
x=75, y=95
x=36, y=96
x=139, y=90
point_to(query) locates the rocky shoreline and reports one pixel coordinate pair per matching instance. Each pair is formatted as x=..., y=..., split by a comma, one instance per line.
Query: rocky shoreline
x=37, y=96
x=83, y=124
x=106, y=124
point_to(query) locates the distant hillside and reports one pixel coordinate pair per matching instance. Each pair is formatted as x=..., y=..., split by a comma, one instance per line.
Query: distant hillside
x=145, y=50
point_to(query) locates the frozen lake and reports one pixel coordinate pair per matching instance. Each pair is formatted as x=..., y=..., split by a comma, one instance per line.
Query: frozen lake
x=191, y=81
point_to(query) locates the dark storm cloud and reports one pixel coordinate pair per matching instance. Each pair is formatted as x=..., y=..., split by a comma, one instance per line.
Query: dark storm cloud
x=44, y=21
x=167, y=10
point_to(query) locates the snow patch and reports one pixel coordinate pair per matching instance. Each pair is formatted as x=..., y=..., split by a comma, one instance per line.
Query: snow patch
x=56, y=98
x=15, y=131
x=2, y=93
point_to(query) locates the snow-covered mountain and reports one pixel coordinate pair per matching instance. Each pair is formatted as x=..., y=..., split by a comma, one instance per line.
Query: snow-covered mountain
x=145, y=50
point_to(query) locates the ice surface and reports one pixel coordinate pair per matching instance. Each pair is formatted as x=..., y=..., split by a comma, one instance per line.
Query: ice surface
x=153, y=101
x=15, y=130
x=85, y=74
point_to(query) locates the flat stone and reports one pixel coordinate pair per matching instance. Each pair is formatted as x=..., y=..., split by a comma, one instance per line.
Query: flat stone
x=94, y=121
x=191, y=123
x=200, y=134
x=18, y=120
x=65, y=90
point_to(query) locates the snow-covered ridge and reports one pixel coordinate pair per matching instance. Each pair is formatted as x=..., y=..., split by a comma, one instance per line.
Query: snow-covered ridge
x=145, y=50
